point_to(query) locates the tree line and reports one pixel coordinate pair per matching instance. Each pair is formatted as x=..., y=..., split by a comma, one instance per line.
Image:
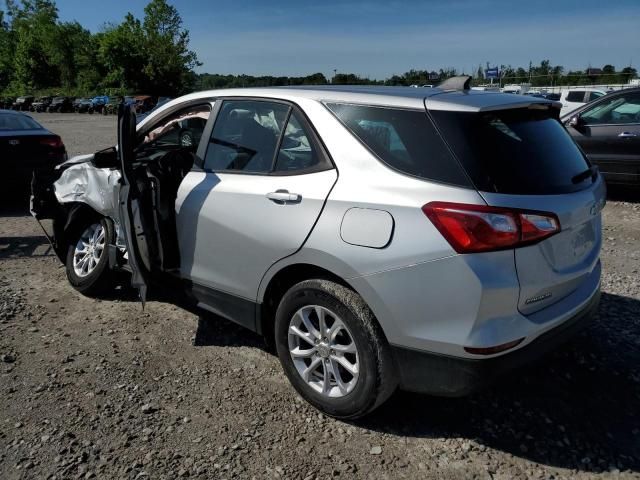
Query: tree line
x=540, y=75
x=39, y=54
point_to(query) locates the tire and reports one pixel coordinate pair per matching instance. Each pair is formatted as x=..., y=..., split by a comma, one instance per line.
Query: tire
x=97, y=277
x=376, y=379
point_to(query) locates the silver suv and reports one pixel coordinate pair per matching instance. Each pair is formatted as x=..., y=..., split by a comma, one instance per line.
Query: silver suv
x=427, y=239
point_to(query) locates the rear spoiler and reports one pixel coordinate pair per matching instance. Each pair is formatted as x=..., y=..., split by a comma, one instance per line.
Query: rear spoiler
x=486, y=102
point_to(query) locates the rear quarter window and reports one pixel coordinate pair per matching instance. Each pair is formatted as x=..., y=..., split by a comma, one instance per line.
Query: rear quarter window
x=405, y=140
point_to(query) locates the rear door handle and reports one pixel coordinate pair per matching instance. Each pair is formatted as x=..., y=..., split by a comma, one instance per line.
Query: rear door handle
x=283, y=196
x=628, y=134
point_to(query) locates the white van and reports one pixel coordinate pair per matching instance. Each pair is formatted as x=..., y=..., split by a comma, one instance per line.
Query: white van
x=576, y=97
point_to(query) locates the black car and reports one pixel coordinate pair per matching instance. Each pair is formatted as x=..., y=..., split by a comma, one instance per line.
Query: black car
x=25, y=146
x=41, y=104
x=83, y=105
x=549, y=96
x=608, y=131
x=61, y=105
x=22, y=103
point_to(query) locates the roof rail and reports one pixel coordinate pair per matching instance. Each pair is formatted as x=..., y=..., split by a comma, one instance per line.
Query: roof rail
x=460, y=82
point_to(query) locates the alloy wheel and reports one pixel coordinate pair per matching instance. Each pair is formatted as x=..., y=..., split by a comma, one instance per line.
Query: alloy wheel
x=323, y=351
x=88, y=250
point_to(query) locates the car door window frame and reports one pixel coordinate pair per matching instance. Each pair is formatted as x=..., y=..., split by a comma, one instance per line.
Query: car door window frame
x=155, y=122
x=324, y=159
x=605, y=98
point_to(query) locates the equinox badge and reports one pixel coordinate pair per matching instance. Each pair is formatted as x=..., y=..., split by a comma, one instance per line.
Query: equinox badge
x=537, y=298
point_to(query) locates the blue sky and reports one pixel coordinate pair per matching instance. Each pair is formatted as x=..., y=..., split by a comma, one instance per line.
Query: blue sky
x=379, y=38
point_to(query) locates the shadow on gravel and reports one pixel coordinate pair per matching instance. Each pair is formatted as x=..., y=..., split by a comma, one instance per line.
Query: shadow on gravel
x=579, y=408
x=623, y=194
x=18, y=247
x=213, y=330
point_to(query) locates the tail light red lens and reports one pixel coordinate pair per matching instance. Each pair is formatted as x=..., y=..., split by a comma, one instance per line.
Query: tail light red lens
x=481, y=228
x=53, y=142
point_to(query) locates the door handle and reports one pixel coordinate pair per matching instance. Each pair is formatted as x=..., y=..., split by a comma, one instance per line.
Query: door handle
x=283, y=196
x=627, y=135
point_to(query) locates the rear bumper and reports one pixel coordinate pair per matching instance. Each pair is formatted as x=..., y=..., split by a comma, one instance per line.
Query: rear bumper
x=445, y=375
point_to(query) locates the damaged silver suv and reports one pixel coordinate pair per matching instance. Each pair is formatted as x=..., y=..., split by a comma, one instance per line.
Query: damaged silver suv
x=427, y=239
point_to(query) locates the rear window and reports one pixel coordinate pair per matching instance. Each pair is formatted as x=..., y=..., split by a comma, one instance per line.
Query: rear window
x=17, y=122
x=405, y=140
x=519, y=151
x=577, y=96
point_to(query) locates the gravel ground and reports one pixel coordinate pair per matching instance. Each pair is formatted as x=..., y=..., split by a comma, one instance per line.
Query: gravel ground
x=103, y=389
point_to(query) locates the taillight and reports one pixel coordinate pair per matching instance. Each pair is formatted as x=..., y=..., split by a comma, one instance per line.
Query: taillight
x=53, y=142
x=481, y=228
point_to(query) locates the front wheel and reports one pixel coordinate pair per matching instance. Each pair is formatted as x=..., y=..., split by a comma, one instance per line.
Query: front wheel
x=332, y=349
x=87, y=262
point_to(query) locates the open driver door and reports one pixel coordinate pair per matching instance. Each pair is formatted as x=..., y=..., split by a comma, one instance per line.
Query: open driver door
x=129, y=204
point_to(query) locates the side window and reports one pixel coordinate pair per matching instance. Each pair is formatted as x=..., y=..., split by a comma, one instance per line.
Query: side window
x=181, y=129
x=593, y=95
x=405, y=140
x=620, y=109
x=576, y=96
x=245, y=136
x=297, y=150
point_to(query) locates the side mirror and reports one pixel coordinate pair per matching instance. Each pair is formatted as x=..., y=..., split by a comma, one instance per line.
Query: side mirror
x=576, y=122
x=107, y=158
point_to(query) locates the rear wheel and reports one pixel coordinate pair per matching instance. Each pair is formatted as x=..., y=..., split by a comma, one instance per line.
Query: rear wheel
x=87, y=261
x=332, y=349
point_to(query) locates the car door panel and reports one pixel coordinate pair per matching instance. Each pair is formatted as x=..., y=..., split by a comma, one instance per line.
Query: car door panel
x=233, y=227
x=609, y=133
x=616, y=155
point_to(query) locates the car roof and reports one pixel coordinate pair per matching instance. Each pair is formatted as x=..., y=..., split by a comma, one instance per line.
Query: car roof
x=587, y=89
x=402, y=97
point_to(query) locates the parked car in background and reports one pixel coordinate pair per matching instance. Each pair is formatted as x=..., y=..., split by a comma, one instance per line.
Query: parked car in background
x=452, y=246
x=576, y=97
x=608, y=131
x=549, y=96
x=61, y=105
x=111, y=107
x=25, y=145
x=98, y=102
x=6, y=103
x=83, y=105
x=23, y=104
x=143, y=103
x=161, y=101
x=41, y=104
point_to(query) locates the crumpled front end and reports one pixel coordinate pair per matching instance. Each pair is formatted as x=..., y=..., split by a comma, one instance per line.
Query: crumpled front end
x=74, y=188
x=92, y=186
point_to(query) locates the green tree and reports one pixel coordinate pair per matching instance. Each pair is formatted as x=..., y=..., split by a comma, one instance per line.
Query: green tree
x=6, y=52
x=169, y=60
x=34, y=26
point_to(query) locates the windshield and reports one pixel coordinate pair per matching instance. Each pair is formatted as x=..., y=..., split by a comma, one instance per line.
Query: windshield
x=17, y=122
x=521, y=151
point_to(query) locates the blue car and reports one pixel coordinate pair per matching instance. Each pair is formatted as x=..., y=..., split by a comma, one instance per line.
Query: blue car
x=98, y=102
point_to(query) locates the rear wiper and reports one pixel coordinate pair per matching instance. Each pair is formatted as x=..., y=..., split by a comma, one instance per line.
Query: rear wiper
x=589, y=172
